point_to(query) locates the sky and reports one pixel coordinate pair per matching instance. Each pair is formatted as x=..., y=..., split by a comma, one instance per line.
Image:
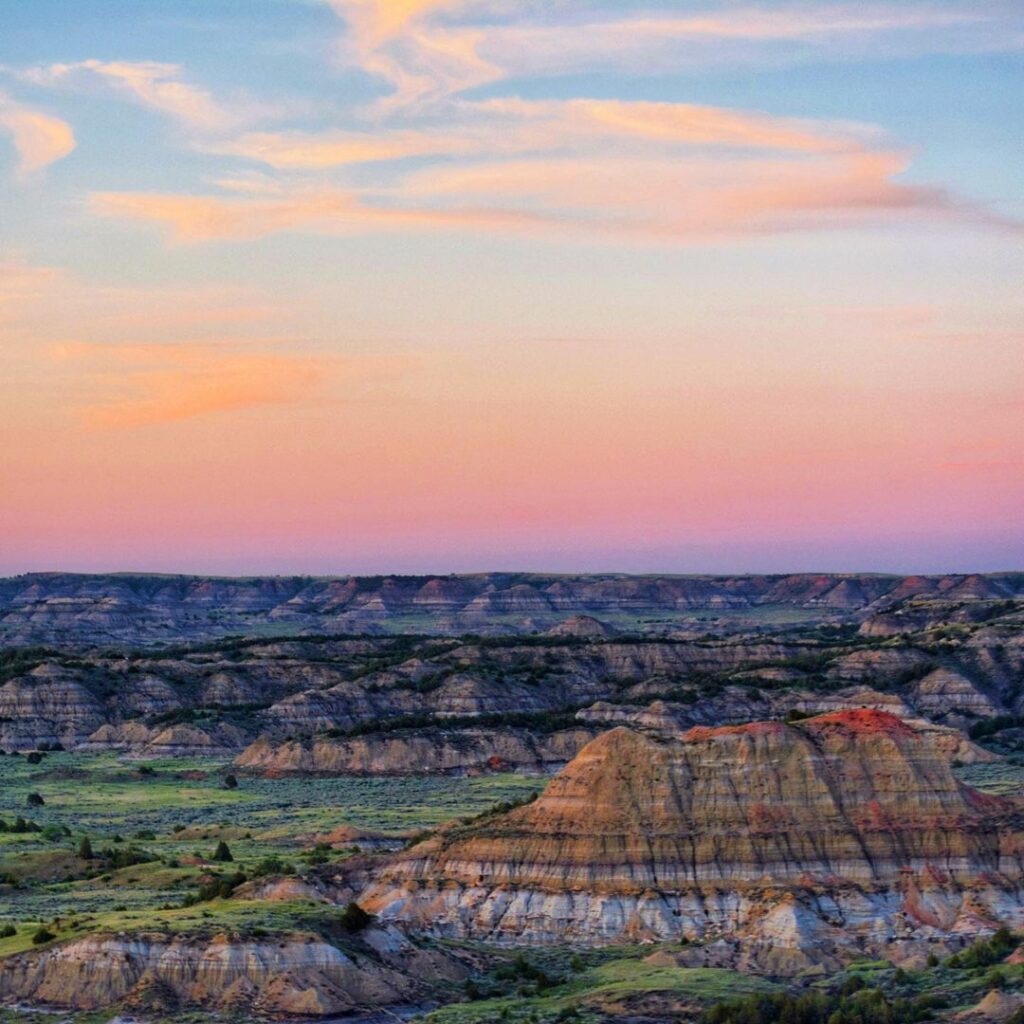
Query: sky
x=333, y=286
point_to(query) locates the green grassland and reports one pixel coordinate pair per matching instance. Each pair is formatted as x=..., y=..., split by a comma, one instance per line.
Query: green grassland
x=1001, y=778
x=173, y=814
x=594, y=993
x=648, y=983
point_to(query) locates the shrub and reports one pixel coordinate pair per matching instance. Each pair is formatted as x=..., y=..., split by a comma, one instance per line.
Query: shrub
x=34, y=800
x=230, y=782
x=272, y=865
x=867, y=1006
x=41, y=936
x=7, y=931
x=216, y=889
x=354, y=918
x=986, y=952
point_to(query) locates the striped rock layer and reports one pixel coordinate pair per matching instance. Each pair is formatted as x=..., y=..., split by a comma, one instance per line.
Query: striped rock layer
x=842, y=829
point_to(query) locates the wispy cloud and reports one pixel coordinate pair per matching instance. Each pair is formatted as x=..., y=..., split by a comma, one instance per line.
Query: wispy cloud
x=39, y=139
x=159, y=86
x=318, y=210
x=700, y=198
x=445, y=160
x=494, y=128
x=398, y=41
x=653, y=43
x=641, y=170
x=147, y=384
x=431, y=49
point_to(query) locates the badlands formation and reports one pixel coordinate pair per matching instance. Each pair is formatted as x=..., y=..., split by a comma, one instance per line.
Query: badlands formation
x=774, y=844
x=762, y=774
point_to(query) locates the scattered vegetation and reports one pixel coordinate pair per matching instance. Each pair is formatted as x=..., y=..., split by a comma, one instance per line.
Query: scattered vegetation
x=866, y=1006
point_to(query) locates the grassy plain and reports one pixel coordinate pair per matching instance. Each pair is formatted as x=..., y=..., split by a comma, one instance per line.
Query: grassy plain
x=175, y=813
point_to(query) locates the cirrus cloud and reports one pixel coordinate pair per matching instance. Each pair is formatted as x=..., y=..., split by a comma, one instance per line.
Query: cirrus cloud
x=157, y=85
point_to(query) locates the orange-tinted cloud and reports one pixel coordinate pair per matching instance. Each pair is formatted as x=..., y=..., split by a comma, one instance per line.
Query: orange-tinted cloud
x=384, y=19
x=322, y=211
x=413, y=44
x=398, y=41
x=144, y=385
x=503, y=126
x=39, y=139
x=701, y=197
x=644, y=169
x=309, y=151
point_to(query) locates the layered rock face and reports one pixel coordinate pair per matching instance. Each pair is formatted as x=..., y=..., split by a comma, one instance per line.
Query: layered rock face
x=432, y=750
x=218, y=699
x=845, y=828
x=47, y=706
x=290, y=976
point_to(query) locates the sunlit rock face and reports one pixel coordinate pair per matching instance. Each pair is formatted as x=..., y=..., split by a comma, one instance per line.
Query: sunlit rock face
x=845, y=829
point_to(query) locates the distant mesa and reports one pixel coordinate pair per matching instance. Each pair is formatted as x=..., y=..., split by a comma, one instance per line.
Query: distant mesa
x=65, y=608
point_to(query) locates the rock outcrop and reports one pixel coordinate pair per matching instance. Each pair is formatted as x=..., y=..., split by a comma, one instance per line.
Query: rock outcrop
x=844, y=831
x=137, y=740
x=46, y=706
x=947, y=696
x=582, y=626
x=411, y=753
x=292, y=975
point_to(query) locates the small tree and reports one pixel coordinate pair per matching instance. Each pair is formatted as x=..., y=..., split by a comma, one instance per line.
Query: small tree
x=34, y=800
x=230, y=782
x=42, y=936
x=354, y=918
x=222, y=853
x=85, y=849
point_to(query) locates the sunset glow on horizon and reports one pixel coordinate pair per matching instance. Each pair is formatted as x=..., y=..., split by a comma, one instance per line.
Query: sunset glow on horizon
x=330, y=286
